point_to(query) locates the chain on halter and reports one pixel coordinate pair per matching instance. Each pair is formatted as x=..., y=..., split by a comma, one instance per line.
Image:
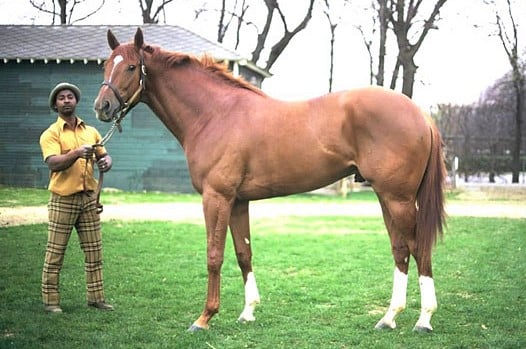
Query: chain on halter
x=124, y=106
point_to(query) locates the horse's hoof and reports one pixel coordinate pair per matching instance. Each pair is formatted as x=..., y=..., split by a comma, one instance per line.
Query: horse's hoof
x=384, y=326
x=244, y=320
x=194, y=328
x=422, y=329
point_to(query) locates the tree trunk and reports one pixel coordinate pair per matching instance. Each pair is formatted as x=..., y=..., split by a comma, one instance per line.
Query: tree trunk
x=509, y=39
x=407, y=50
x=519, y=111
x=408, y=79
x=383, y=17
x=63, y=14
x=221, y=30
x=394, y=77
x=331, y=69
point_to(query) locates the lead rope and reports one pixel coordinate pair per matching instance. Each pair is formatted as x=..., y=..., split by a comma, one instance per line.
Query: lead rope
x=126, y=107
x=104, y=140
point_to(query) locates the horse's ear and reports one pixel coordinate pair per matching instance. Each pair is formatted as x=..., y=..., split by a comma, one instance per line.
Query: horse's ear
x=112, y=40
x=139, y=39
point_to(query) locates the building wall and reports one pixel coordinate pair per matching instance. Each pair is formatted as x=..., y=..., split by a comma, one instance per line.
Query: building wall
x=145, y=155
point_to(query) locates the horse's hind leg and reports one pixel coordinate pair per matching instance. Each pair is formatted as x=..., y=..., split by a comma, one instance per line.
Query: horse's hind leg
x=396, y=222
x=400, y=220
x=240, y=228
x=428, y=301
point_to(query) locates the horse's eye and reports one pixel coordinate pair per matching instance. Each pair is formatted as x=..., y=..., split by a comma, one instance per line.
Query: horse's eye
x=131, y=67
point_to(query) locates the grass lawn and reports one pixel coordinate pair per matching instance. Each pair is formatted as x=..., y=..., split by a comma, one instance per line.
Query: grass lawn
x=324, y=283
x=12, y=197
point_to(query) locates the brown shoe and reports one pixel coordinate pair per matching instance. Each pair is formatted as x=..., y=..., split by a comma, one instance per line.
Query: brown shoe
x=101, y=306
x=54, y=309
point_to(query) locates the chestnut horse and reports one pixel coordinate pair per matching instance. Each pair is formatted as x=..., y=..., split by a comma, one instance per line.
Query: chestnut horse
x=242, y=145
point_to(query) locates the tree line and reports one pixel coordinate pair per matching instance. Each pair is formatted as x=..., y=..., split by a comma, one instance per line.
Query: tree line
x=482, y=134
x=487, y=136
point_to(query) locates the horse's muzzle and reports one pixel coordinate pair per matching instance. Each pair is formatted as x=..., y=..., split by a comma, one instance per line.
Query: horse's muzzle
x=105, y=109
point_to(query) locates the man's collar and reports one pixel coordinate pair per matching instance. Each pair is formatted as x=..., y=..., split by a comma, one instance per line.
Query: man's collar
x=63, y=122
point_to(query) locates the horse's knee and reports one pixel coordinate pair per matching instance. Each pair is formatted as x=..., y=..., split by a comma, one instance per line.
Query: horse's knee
x=400, y=253
x=244, y=261
x=214, y=264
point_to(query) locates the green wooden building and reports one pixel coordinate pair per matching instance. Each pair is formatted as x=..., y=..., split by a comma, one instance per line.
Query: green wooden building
x=33, y=59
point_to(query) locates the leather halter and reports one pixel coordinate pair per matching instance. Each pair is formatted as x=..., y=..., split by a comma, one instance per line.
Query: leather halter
x=126, y=106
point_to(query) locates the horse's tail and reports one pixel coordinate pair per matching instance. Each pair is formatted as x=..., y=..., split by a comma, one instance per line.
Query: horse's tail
x=430, y=216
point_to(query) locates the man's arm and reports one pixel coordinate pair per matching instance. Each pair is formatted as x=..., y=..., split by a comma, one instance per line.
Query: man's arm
x=61, y=162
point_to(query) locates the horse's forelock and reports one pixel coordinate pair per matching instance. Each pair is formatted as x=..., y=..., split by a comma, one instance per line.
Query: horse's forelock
x=126, y=51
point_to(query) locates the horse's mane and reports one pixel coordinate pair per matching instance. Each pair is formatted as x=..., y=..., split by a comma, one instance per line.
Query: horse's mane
x=207, y=63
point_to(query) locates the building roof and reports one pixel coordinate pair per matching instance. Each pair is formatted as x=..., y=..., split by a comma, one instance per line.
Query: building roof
x=89, y=43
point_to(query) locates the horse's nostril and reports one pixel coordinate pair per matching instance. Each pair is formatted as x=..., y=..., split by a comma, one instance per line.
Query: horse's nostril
x=106, y=106
x=102, y=107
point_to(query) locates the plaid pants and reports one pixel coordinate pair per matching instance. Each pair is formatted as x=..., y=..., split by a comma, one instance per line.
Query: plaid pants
x=65, y=212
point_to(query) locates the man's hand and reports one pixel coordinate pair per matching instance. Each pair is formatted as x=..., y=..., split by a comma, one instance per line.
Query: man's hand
x=85, y=151
x=104, y=163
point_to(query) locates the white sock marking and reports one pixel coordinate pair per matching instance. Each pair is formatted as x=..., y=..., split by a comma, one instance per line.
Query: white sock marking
x=251, y=299
x=398, y=300
x=428, y=301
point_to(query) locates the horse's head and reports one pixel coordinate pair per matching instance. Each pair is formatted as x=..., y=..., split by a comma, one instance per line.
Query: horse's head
x=124, y=75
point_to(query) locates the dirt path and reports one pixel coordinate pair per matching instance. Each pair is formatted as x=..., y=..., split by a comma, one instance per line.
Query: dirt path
x=259, y=209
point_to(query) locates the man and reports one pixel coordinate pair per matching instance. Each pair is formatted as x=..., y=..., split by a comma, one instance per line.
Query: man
x=68, y=150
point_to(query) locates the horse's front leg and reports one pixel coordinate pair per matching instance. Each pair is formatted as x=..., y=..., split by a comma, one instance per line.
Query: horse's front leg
x=240, y=228
x=217, y=211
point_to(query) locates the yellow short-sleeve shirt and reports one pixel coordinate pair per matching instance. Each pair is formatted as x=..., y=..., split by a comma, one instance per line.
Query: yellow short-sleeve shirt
x=60, y=139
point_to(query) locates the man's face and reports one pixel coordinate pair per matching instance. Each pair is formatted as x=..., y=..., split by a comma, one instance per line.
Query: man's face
x=66, y=102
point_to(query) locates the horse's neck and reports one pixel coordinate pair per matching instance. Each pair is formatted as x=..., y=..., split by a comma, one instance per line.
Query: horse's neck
x=184, y=98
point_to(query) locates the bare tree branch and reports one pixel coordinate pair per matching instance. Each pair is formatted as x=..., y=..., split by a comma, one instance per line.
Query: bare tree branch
x=89, y=14
x=402, y=23
x=278, y=48
x=65, y=15
x=146, y=10
x=262, y=37
x=332, y=26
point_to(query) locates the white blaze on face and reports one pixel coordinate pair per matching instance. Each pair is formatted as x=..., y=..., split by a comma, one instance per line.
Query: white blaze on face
x=116, y=62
